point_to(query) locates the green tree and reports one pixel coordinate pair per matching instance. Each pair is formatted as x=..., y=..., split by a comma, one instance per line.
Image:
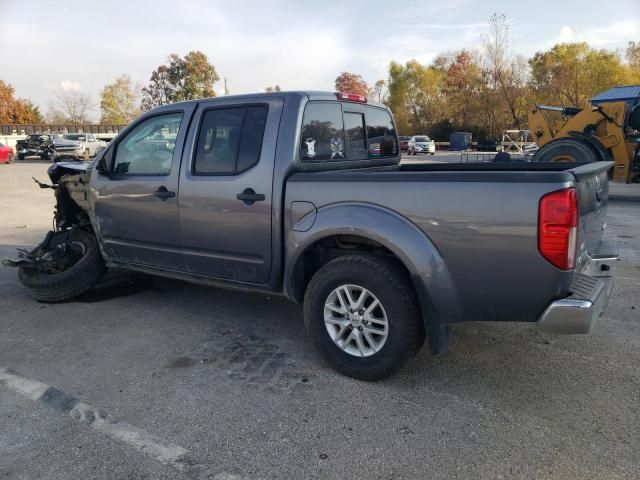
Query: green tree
x=571, y=73
x=16, y=110
x=415, y=96
x=191, y=77
x=119, y=102
x=185, y=78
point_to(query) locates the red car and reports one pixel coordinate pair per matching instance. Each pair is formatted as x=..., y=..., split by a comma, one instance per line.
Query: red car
x=404, y=143
x=6, y=154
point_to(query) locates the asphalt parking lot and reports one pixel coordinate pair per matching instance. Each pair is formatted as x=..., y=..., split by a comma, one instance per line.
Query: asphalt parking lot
x=154, y=378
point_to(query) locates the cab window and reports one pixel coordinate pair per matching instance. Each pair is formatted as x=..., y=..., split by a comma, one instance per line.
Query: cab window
x=322, y=132
x=381, y=134
x=230, y=140
x=148, y=148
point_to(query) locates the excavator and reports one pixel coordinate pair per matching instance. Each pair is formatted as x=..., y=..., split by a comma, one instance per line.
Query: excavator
x=608, y=129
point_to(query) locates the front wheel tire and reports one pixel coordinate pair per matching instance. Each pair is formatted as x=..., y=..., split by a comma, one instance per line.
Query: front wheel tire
x=361, y=313
x=58, y=286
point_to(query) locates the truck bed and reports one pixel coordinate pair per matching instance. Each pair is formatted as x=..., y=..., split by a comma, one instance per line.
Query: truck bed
x=482, y=219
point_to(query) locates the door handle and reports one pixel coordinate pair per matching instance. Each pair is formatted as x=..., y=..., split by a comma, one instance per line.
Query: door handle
x=162, y=193
x=249, y=196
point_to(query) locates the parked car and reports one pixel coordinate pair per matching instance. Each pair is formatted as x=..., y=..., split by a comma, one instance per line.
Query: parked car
x=63, y=148
x=421, y=144
x=249, y=192
x=404, y=143
x=90, y=144
x=36, y=145
x=7, y=155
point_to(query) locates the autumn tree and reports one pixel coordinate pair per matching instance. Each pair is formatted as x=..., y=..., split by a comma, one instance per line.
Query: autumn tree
x=120, y=101
x=158, y=92
x=16, y=110
x=275, y=88
x=351, y=83
x=571, y=73
x=463, y=83
x=184, y=78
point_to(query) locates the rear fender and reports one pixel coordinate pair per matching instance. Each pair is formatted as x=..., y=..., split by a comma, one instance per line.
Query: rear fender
x=436, y=291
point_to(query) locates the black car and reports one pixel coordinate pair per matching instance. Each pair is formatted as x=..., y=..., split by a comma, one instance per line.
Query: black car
x=36, y=145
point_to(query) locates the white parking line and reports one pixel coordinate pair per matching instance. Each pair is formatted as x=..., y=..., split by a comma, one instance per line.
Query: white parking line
x=149, y=444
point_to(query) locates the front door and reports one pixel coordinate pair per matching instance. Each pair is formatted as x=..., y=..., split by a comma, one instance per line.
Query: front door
x=226, y=189
x=136, y=202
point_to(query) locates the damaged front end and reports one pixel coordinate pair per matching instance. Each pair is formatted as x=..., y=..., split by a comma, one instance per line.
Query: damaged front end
x=58, y=251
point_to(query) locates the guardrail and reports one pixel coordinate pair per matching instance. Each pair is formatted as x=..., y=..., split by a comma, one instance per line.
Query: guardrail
x=35, y=128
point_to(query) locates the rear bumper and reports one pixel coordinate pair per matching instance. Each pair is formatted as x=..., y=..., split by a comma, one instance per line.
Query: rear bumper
x=588, y=298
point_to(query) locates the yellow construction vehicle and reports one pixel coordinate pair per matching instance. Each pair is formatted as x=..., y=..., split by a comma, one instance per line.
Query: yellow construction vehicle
x=609, y=129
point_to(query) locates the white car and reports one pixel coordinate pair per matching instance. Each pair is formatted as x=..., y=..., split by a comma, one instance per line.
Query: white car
x=421, y=144
x=90, y=144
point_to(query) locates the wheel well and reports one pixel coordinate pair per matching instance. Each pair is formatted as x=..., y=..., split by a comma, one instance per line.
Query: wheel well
x=326, y=249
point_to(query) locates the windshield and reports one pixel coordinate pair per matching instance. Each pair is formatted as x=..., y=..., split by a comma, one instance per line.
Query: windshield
x=423, y=139
x=404, y=139
x=74, y=136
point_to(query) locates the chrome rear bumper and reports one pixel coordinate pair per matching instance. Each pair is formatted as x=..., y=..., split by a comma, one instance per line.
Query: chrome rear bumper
x=588, y=298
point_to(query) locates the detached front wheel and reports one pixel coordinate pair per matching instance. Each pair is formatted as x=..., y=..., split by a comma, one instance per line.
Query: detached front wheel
x=69, y=265
x=361, y=313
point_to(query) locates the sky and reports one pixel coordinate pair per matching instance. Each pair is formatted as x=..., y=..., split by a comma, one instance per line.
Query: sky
x=47, y=46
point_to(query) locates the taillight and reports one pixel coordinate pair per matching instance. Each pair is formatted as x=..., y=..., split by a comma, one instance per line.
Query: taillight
x=352, y=97
x=558, y=228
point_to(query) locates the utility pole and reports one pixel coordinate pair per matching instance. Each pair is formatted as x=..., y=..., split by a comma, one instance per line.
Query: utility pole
x=226, y=90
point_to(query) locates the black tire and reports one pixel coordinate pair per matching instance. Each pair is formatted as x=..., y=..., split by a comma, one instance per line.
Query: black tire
x=10, y=158
x=502, y=157
x=389, y=283
x=77, y=279
x=21, y=156
x=567, y=150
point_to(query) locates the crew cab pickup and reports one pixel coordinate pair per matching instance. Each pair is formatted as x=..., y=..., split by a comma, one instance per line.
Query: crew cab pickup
x=302, y=194
x=88, y=142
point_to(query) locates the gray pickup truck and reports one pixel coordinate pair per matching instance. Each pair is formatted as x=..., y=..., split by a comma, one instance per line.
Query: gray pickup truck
x=302, y=194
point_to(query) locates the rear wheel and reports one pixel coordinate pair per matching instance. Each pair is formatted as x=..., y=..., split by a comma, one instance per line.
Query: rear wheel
x=362, y=315
x=567, y=150
x=21, y=156
x=10, y=158
x=70, y=264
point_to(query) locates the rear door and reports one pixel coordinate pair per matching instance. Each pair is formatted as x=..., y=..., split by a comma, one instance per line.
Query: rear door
x=136, y=203
x=226, y=189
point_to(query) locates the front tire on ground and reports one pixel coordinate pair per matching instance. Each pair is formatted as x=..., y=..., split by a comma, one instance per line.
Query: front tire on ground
x=75, y=280
x=567, y=150
x=361, y=313
x=10, y=158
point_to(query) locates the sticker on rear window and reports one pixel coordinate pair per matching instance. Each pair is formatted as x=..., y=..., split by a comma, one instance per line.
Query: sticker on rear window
x=311, y=147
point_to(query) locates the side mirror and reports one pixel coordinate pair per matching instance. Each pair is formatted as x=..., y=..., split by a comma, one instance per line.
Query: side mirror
x=102, y=164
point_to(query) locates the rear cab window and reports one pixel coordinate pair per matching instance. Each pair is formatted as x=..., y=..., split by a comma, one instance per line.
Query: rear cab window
x=337, y=131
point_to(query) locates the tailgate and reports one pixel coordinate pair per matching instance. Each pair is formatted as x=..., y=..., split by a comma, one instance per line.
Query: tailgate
x=592, y=187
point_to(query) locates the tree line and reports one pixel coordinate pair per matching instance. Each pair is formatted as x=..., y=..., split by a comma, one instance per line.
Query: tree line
x=489, y=90
x=483, y=91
